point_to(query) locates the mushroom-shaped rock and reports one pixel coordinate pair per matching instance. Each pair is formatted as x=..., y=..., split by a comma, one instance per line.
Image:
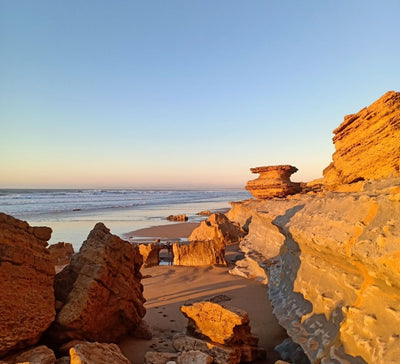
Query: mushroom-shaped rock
x=274, y=181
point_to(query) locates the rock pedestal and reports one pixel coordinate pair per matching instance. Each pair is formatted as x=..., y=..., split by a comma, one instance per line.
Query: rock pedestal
x=274, y=181
x=199, y=253
x=26, y=284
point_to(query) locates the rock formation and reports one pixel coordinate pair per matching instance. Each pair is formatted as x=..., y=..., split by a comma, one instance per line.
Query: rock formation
x=61, y=253
x=333, y=272
x=274, y=181
x=223, y=332
x=181, y=217
x=332, y=258
x=100, y=290
x=150, y=254
x=219, y=228
x=26, y=284
x=199, y=253
x=94, y=353
x=367, y=144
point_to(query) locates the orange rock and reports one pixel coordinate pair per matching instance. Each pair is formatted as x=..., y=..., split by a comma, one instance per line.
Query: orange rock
x=195, y=253
x=93, y=353
x=218, y=228
x=26, y=284
x=150, y=254
x=274, y=181
x=367, y=144
x=101, y=290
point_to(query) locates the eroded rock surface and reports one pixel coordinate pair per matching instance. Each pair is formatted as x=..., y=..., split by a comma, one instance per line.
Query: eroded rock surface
x=150, y=254
x=100, y=290
x=274, y=181
x=333, y=269
x=26, y=284
x=367, y=144
x=219, y=228
x=38, y=355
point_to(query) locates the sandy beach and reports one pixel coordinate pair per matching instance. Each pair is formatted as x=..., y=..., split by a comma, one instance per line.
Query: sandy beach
x=167, y=288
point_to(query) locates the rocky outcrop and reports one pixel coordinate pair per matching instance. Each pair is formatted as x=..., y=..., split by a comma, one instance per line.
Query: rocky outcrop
x=26, y=284
x=333, y=271
x=181, y=217
x=61, y=253
x=95, y=353
x=367, y=144
x=219, y=228
x=99, y=291
x=150, y=254
x=274, y=181
x=224, y=327
x=195, y=253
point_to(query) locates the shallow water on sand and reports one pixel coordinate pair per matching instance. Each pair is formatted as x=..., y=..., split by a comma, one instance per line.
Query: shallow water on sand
x=73, y=213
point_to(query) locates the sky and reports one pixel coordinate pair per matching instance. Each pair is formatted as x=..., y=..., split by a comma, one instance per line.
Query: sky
x=184, y=93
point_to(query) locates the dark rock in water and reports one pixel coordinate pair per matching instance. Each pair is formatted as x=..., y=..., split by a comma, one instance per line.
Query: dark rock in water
x=181, y=217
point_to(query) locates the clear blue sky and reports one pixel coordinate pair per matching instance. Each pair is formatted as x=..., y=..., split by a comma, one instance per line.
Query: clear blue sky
x=184, y=93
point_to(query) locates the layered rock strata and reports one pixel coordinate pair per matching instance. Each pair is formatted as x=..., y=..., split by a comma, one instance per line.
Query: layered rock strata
x=100, y=293
x=333, y=270
x=274, y=181
x=219, y=228
x=26, y=284
x=367, y=144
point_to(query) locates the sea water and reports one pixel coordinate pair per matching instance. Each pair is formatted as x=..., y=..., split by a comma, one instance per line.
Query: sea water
x=73, y=213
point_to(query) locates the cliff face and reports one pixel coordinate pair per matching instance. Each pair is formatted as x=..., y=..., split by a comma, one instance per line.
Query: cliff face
x=332, y=262
x=367, y=144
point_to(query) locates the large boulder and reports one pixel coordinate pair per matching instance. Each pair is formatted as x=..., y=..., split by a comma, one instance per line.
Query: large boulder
x=38, y=355
x=367, y=144
x=225, y=327
x=26, y=284
x=219, y=228
x=274, y=181
x=100, y=292
x=199, y=253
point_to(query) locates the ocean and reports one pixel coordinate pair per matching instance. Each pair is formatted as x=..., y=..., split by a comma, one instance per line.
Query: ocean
x=72, y=213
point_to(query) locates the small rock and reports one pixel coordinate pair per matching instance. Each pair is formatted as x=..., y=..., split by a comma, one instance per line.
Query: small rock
x=194, y=357
x=181, y=217
x=94, y=353
x=39, y=355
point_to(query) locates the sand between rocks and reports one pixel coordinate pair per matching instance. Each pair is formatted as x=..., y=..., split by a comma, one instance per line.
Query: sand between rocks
x=167, y=288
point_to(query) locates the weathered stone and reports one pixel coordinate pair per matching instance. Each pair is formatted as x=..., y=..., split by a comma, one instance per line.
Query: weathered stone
x=61, y=253
x=194, y=357
x=95, y=353
x=199, y=253
x=221, y=354
x=274, y=181
x=181, y=217
x=63, y=360
x=332, y=262
x=218, y=228
x=204, y=213
x=38, y=355
x=155, y=357
x=219, y=323
x=150, y=254
x=26, y=284
x=367, y=144
x=101, y=290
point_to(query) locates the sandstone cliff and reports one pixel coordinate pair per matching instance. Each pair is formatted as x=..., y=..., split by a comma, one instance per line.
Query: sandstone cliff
x=26, y=284
x=333, y=270
x=367, y=144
